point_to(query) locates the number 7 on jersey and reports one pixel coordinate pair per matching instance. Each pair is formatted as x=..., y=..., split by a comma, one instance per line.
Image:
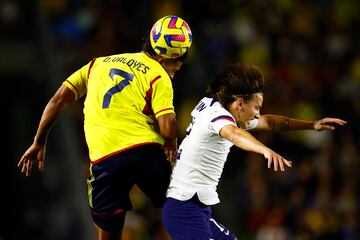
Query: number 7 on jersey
x=128, y=77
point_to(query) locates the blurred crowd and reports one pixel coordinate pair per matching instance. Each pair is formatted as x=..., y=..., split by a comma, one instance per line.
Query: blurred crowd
x=309, y=52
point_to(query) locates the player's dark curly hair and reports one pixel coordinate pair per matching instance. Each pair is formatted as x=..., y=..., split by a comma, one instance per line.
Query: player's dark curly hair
x=149, y=49
x=236, y=80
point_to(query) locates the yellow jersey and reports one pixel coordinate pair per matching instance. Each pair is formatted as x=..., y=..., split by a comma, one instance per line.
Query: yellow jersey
x=125, y=94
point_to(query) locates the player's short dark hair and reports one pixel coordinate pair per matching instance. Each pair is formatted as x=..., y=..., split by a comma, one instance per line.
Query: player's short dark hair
x=236, y=80
x=146, y=47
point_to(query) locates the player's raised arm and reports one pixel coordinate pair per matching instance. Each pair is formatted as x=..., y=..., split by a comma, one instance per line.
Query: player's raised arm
x=244, y=140
x=274, y=122
x=36, y=152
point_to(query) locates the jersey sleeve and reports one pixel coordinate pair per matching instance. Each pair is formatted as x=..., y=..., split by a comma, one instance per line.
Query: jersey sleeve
x=220, y=118
x=162, y=96
x=77, y=82
x=221, y=121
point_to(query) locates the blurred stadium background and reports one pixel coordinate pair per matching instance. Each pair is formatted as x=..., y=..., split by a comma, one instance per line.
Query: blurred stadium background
x=309, y=52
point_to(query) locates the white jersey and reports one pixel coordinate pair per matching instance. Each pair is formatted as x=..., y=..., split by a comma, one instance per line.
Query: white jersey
x=202, y=154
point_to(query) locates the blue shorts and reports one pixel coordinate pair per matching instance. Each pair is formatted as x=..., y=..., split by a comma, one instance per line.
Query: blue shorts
x=111, y=180
x=191, y=219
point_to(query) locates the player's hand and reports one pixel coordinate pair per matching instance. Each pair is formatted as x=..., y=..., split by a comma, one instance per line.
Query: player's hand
x=170, y=149
x=35, y=154
x=276, y=160
x=328, y=124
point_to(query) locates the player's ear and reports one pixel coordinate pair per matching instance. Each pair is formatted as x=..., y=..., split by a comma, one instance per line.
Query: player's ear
x=239, y=103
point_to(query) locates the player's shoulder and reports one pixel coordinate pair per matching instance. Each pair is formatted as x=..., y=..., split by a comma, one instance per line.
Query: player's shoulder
x=209, y=106
x=210, y=103
x=206, y=101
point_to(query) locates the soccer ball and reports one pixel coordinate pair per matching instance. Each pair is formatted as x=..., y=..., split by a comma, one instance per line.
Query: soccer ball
x=170, y=37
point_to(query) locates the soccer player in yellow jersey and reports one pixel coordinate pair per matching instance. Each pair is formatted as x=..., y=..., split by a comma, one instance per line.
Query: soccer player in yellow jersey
x=129, y=123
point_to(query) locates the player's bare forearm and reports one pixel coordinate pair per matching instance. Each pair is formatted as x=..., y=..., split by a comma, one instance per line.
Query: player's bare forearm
x=48, y=118
x=36, y=152
x=170, y=149
x=242, y=139
x=281, y=123
x=167, y=125
x=247, y=142
x=51, y=112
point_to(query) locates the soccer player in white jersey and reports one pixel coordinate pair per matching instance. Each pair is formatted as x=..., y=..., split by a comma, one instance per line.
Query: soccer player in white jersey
x=219, y=122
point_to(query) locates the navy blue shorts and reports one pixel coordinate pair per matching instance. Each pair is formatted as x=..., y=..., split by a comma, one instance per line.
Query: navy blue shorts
x=187, y=220
x=111, y=180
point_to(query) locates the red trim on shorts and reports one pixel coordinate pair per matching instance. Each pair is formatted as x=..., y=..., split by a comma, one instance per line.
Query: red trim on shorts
x=122, y=150
x=117, y=211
